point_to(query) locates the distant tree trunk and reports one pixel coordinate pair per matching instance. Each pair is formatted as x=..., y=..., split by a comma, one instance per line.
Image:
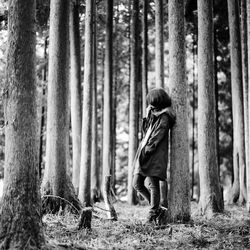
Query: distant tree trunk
x=56, y=182
x=144, y=57
x=75, y=91
x=245, y=83
x=42, y=120
x=95, y=169
x=238, y=188
x=159, y=44
x=85, y=171
x=21, y=220
x=179, y=199
x=248, y=56
x=210, y=193
x=133, y=102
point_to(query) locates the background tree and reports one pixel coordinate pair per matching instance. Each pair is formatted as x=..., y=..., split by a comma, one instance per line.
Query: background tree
x=133, y=99
x=56, y=182
x=238, y=188
x=210, y=193
x=21, y=224
x=179, y=198
x=248, y=59
x=75, y=90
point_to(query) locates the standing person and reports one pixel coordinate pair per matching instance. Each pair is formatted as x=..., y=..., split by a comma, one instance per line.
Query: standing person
x=152, y=155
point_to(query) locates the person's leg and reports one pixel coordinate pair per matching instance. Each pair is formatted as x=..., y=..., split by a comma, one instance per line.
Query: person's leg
x=138, y=184
x=154, y=186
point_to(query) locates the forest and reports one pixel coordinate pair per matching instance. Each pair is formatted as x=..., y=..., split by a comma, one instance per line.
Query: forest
x=74, y=79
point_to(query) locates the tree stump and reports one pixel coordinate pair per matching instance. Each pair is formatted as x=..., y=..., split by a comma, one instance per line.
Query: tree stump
x=85, y=218
x=107, y=199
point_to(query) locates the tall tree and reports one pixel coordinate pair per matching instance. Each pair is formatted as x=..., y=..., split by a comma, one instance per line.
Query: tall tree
x=159, y=44
x=238, y=188
x=75, y=90
x=144, y=57
x=210, y=192
x=85, y=172
x=248, y=57
x=133, y=102
x=179, y=200
x=21, y=224
x=108, y=127
x=95, y=169
x=56, y=182
x=245, y=80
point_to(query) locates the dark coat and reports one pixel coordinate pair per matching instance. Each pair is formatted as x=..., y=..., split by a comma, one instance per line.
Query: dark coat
x=152, y=159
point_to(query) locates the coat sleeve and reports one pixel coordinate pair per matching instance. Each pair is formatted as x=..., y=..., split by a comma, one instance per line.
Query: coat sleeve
x=157, y=135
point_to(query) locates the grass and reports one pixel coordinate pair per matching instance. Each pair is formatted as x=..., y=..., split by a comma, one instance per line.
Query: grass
x=230, y=230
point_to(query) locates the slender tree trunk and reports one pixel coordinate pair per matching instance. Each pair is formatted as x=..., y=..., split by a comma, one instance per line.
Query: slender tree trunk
x=95, y=178
x=85, y=171
x=248, y=57
x=159, y=44
x=21, y=220
x=133, y=102
x=245, y=85
x=42, y=111
x=56, y=182
x=108, y=104
x=210, y=192
x=179, y=200
x=238, y=188
x=144, y=57
x=75, y=91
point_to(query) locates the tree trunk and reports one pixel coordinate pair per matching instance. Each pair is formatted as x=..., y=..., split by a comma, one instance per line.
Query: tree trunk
x=245, y=85
x=85, y=172
x=21, y=220
x=210, y=192
x=75, y=91
x=133, y=102
x=42, y=119
x=55, y=181
x=248, y=56
x=95, y=170
x=238, y=188
x=179, y=199
x=108, y=128
x=144, y=57
x=159, y=44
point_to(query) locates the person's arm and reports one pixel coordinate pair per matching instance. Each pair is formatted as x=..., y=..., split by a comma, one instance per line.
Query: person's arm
x=157, y=135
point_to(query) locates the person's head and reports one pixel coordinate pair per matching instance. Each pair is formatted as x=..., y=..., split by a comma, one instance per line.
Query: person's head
x=158, y=98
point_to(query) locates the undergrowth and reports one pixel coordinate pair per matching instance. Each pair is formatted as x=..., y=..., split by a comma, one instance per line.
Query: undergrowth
x=230, y=230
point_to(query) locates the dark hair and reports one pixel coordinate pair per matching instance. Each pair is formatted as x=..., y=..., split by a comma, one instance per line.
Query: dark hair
x=158, y=98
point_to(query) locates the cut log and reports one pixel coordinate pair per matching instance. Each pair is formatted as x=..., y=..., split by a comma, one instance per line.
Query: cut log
x=85, y=218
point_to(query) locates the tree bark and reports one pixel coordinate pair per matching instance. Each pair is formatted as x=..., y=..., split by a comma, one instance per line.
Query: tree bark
x=144, y=57
x=108, y=85
x=210, y=192
x=238, y=188
x=248, y=57
x=245, y=86
x=85, y=172
x=159, y=44
x=95, y=169
x=179, y=197
x=21, y=220
x=55, y=180
x=133, y=102
x=75, y=91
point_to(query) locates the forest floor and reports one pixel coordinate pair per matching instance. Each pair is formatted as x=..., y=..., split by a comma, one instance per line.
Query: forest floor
x=230, y=230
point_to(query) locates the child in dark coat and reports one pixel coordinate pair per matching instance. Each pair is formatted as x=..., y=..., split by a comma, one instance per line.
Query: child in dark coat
x=152, y=155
